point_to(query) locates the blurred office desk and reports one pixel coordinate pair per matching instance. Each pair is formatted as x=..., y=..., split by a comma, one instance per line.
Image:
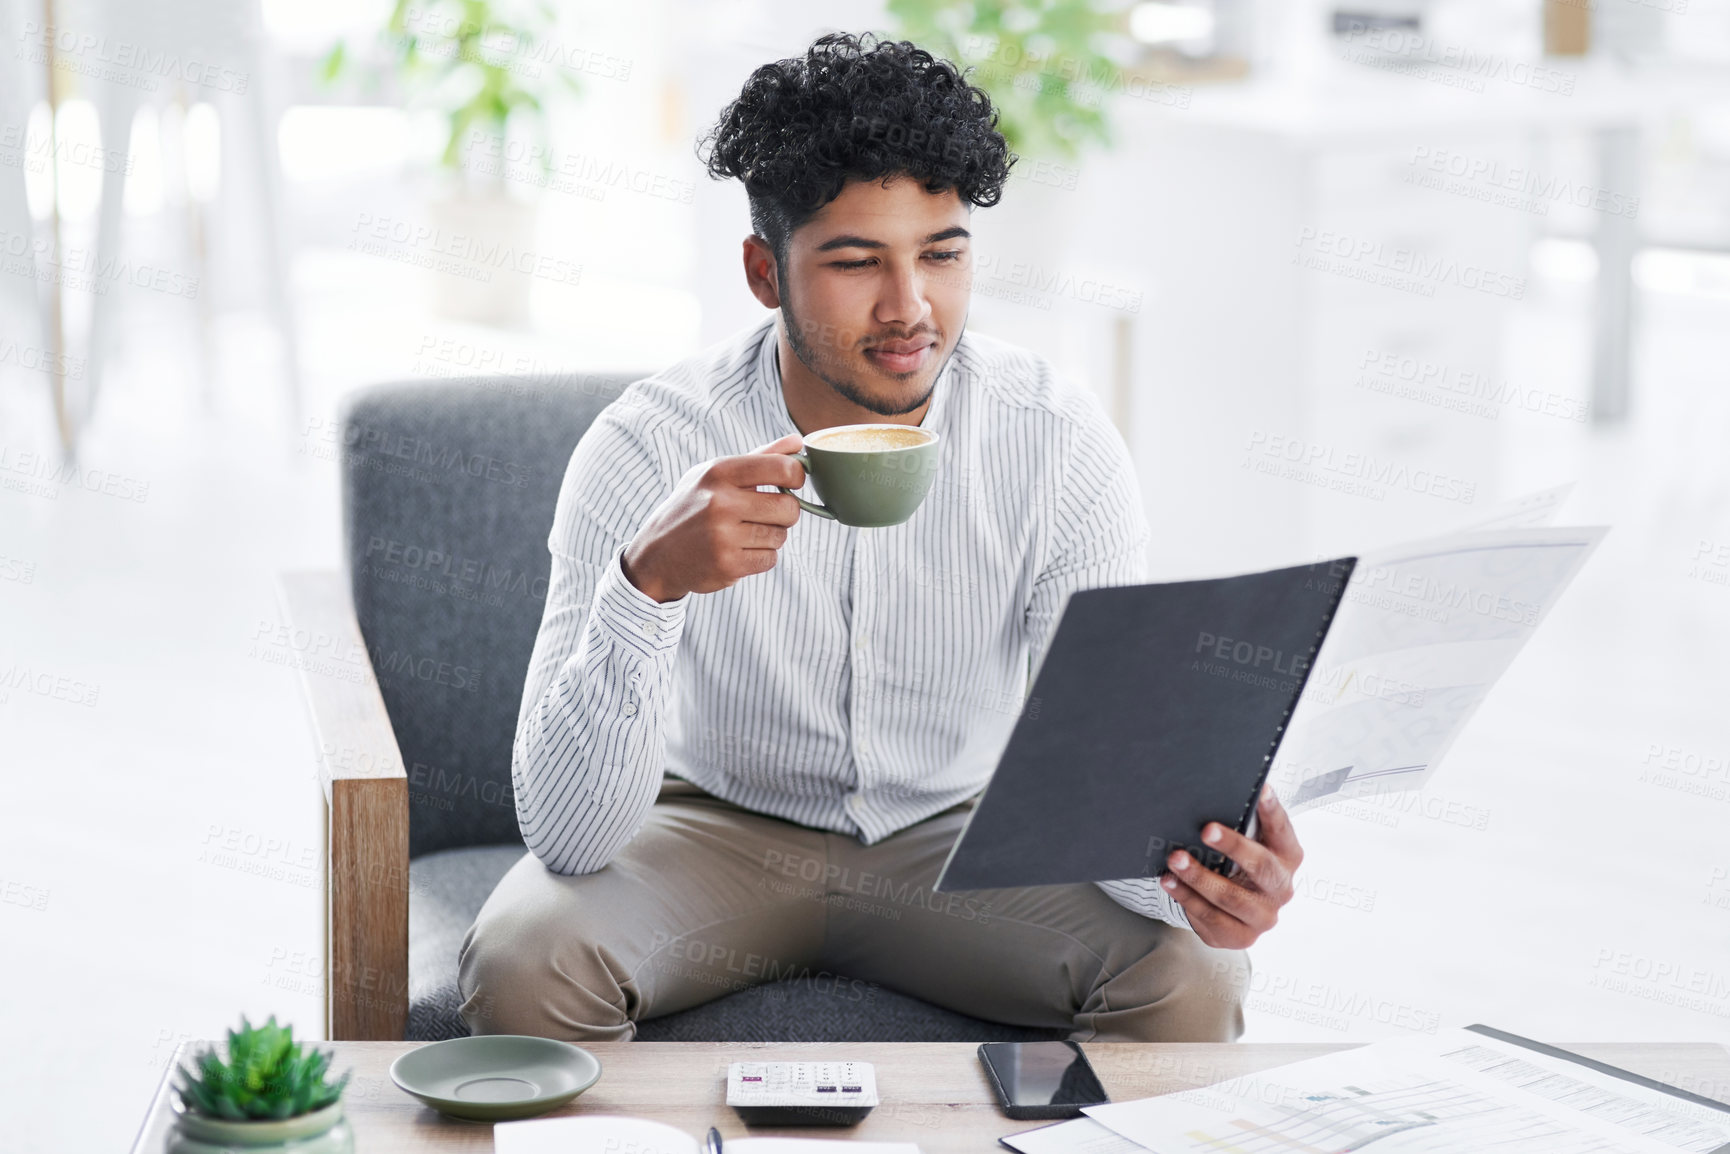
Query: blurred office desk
x=933, y=1093
x=1319, y=365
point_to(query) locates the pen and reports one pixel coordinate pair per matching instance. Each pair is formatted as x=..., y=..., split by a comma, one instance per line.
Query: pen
x=712, y=1144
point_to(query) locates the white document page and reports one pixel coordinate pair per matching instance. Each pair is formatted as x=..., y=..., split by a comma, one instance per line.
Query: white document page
x=1076, y=1136
x=1525, y=512
x=1456, y=1090
x=626, y=1135
x=1422, y=633
x=814, y=1146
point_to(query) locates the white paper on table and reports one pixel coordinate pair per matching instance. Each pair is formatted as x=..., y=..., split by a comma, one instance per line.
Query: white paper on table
x=626, y=1135
x=1076, y=1136
x=1452, y=1091
x=1422, y=633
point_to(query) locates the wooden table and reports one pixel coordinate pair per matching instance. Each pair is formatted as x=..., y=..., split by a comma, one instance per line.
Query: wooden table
x=934, y=1094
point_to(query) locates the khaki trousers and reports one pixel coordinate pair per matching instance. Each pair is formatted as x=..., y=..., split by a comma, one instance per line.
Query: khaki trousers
x=709, y=898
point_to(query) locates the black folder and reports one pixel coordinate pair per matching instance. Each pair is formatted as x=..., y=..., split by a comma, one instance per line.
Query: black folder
x=1156, y=709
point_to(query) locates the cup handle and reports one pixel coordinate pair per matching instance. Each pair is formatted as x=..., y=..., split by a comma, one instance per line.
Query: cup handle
x=804, y=504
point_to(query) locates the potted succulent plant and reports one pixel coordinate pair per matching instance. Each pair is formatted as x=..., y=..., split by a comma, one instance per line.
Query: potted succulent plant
x=270, y=1095
x=488, y=68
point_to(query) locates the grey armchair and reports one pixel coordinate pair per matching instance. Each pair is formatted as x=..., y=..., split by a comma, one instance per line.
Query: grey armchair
x=416, y=661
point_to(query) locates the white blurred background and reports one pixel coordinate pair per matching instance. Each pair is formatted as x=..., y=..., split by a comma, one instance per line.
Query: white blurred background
x=204, y=251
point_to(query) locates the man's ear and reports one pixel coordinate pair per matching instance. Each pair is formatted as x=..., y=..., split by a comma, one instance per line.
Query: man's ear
x=761, y=274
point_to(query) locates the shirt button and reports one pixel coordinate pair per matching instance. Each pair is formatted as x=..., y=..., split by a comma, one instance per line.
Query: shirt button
x=630, y=709
x=649, y=629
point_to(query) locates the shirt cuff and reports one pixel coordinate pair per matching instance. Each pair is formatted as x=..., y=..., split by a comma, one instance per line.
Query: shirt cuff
x=632, y=616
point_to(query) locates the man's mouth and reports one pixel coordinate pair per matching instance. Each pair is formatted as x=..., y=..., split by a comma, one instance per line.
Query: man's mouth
x=901, y=356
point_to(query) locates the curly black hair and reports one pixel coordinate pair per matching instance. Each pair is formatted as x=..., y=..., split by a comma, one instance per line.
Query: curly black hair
x=854, y=107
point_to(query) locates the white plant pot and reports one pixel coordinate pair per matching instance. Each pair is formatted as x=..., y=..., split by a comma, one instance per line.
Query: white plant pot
x=323, y=1131
x=1024, y=242
x=482, y=270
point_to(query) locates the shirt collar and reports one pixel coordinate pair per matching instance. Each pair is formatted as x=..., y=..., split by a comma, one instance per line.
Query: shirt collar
x=769, y=373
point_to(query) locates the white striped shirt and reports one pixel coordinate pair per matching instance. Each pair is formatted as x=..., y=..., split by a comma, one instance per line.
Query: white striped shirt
x=872, y=677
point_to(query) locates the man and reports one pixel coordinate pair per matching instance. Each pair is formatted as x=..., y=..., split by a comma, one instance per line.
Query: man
x=748, y=740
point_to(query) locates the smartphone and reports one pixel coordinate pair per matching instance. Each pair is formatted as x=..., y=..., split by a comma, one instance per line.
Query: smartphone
x=1041, y=1079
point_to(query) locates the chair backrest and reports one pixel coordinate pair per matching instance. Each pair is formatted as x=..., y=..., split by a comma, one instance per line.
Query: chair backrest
x=448, y=496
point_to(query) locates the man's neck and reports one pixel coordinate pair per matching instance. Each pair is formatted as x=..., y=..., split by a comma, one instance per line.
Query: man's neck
x=813, y=404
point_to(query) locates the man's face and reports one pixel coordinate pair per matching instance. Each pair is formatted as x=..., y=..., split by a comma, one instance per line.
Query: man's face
x=874, y=291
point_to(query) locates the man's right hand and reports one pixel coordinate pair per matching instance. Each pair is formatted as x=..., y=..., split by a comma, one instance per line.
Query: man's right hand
x=716, y=527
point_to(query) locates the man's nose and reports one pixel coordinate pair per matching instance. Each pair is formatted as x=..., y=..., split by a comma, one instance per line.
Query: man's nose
x=903, y=301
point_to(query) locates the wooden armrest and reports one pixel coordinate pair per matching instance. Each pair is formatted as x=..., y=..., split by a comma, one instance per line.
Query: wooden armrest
x=366, y=814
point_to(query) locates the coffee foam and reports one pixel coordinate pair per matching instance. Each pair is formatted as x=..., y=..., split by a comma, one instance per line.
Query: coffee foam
x=875, y=439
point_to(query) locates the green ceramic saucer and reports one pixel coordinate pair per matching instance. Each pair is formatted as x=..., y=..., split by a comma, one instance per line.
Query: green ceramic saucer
x=492, y=1077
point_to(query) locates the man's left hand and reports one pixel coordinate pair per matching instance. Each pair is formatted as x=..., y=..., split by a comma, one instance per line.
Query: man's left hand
x=1231, y=913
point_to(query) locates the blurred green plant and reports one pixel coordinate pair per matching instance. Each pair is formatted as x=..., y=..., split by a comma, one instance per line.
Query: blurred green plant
x=1040, y=61
x=476, y=61
x=268, y=1075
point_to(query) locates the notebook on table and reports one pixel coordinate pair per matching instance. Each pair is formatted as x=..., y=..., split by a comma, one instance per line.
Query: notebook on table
x=1472, y=1088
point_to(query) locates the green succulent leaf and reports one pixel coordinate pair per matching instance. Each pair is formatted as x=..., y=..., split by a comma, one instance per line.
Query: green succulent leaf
x=267, y=1075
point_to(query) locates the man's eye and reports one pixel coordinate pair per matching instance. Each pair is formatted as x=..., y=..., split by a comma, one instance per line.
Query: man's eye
x=951, y=254
x=848, y=263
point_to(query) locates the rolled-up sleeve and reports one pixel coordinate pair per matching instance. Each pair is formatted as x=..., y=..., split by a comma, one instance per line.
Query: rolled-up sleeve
x=590, y=742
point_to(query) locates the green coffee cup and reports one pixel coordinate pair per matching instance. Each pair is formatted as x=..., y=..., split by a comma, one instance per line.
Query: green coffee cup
x=870, y=476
